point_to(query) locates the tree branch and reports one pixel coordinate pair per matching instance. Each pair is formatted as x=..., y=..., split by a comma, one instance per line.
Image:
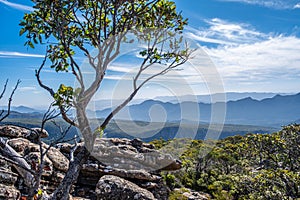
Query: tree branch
x=52, y=93
x=9, y=100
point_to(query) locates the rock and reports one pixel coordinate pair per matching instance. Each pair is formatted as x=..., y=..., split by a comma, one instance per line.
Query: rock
x=32, y=134
x=23, y=146
x=7, y=177
x=9, y=192
x=136, y=143
x=175, y=165
x=66, y=147
x=13, y=131
x=57, y=177
x=33, y=158
x=91, y=173
x=132, y=155
x=58, y=159
x=117, y=167
x=5, y=165
x=134, y=174
x=160, y=191
x=192, y=195
x=112, y=187
x=195, y=196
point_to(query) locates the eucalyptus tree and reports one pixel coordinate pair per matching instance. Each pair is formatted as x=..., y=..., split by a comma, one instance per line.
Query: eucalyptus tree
x=74, y=27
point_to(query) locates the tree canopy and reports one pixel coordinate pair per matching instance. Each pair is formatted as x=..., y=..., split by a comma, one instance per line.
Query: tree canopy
x=77, y=27
x=71, y=27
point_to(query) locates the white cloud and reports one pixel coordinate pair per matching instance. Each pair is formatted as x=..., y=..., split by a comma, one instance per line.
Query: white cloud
x=222, y=32
x=296, y=6
x=272, y=59
x=17, y=6
x=115, y=77
x=27, y=88
x=276, y=4
x=19, y=54
x=248, y=59
x=118, y=68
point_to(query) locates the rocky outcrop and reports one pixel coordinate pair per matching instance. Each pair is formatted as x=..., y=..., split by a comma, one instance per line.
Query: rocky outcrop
x=128, y=167
x=7, y=182
x=32, y=134
x=9, y=192
x=113, y=187
x=132, y=155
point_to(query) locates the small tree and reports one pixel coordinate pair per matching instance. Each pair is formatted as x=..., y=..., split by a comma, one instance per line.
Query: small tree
x=74, y=27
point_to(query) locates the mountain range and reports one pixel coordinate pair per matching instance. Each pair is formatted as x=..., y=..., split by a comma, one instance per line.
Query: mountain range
x=217, y=97
x=276, y=111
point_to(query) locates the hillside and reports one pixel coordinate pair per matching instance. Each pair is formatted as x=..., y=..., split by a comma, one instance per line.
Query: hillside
x=254, y=166
x=128, y=130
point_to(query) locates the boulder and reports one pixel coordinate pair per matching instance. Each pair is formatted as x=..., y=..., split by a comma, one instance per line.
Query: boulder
x=192, y=195
x=195, y=196
x=23, y=146
x=7, y=177
x=132, y=155
x=9, y=192
x=33, y=158
x=159, y=190
x=32, y=134
x=91, y=173
x=13, y=131
x=59, y=161
x=113, y=187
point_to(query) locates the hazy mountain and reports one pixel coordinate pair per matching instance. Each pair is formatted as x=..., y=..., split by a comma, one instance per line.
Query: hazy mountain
x=276, y=111
x=21, y=109
x=214, y=98
x=18, y=115
x=105, y=103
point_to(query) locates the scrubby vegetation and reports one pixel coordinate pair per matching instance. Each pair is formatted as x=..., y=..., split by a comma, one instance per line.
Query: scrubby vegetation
x=255, y=166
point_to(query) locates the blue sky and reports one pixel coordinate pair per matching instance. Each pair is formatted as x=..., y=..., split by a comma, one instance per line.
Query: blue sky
x=253, y=44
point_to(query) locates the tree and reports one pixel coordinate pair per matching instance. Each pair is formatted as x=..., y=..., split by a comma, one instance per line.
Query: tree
x=74, y=27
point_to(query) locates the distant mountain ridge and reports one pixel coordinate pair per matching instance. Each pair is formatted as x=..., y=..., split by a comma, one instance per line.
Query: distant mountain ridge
x=217, y=97
x=21, y=109
x=276, y=111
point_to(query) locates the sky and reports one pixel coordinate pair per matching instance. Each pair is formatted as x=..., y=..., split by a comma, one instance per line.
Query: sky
x=243, y=46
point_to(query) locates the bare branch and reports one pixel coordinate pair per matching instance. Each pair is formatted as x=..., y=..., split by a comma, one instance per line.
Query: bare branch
x=16, y=164
x=63, y=133
x=136, y=88
x=20, y=163
x=52, y=93
x=73, y=149
x=4, y=89
x=9, y=101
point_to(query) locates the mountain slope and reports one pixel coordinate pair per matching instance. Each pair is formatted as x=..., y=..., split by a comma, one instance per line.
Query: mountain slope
x=275, y=111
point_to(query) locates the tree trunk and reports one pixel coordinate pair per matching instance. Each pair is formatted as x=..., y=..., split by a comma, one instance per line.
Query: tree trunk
x=62, y=192
x=21, y=165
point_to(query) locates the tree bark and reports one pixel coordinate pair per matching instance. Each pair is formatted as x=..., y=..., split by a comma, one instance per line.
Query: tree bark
x=62, y=192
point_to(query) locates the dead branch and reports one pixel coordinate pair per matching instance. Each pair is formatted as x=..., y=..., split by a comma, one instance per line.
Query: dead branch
x=9, y=100
x=4, y=89
x=21, y=165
